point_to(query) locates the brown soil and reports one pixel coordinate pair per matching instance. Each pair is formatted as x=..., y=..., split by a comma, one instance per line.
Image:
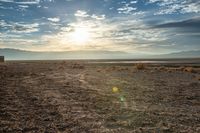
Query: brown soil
x=64, y=97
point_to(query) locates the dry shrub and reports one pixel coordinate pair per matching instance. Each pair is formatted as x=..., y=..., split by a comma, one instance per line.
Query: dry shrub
x=152, y=71
x=77, y=66
x=61, y=67
x=140, y=66
x=113, y=68
x=125, y=69
x=169, y=71
x=64, y=62
x=122, y=69
x=162, y=68
x=99, y=70
x=33, y=74
x=188, y=69
x=181, y=68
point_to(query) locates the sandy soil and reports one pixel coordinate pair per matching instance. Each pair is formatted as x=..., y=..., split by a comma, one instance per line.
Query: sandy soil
x=64, y=97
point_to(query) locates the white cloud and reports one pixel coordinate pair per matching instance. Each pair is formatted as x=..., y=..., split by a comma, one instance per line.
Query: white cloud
x=6, y=0
x=193, y=7
x=133, y=2
x=23, y=6
x=101, y=17
x=118, y=33
x=25, y=28
x=126, y=10
x=19, y=27
x=54, y=19
x=4, y=24
x=177, y=6
x=22, y=2
x=127, y=7
x=81, y=13
x=26, y=2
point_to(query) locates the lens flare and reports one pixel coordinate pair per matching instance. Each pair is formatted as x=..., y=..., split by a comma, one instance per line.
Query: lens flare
x=115, y=90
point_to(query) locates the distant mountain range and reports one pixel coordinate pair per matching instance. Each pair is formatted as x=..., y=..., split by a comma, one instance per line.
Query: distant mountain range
x=16, y=54
x=183, y=54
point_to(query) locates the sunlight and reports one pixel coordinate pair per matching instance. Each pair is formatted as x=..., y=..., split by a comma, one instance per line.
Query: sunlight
x=80, y=36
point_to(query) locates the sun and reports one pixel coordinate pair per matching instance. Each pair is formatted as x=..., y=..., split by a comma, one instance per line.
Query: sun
x=80, y=36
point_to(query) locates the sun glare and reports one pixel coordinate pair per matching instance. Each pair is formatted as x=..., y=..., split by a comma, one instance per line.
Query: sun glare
x=80, y=36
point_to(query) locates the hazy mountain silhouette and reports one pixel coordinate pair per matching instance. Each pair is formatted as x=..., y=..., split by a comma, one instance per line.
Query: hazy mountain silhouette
x=183, y=54
x=16, y=54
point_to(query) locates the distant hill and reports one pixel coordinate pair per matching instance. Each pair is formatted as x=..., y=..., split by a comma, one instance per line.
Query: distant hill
x=183, y=54
x=16, y=54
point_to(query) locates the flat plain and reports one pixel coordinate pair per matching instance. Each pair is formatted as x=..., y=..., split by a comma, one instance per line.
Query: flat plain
x=78, y=96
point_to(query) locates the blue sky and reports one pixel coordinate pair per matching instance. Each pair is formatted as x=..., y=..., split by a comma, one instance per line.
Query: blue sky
x=135, y=26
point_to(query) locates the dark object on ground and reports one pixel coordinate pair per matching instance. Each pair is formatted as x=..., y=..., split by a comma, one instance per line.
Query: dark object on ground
x=1, y=58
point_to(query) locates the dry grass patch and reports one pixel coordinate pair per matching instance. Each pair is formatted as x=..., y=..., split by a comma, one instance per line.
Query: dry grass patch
x=122, y=69
x=98, y=70
x=77, y=66
x=61, y=67
x=198, y=78
x=181, y=68
x=189, y=69
x=140, y=66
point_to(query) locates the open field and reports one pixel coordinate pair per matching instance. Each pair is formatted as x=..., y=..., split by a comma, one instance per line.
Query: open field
x=77, y=96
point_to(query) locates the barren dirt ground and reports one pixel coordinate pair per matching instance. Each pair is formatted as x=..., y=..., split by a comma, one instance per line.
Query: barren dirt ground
x=64, y=97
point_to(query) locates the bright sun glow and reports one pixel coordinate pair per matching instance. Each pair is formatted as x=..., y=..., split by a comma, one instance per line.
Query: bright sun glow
x=80, y=36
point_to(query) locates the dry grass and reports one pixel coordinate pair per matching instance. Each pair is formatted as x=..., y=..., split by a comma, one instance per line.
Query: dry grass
x=140, y=66
x=188, y=69
x=61, y=67
x=169, y=71
x=77, y=66
x=162, y=68
x=181, y=68
x=122, y=69
x=177, y=69
x=198, y=78
x=98, y=70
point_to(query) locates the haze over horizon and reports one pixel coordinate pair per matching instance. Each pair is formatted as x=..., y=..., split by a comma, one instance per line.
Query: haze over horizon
x=132, y=26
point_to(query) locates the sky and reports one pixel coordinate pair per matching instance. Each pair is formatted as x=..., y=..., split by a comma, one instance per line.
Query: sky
x=134, y=26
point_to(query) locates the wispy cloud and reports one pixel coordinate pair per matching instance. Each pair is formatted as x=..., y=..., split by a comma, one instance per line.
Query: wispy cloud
x=19, y=27
x=25, y=28
x=190, y=23
x=175, y=6
x=127, y=8
x=81, y=13
x=22, y=1
x=54, y=19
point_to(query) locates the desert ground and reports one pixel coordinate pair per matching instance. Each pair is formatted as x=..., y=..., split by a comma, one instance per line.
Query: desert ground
x=78, y=97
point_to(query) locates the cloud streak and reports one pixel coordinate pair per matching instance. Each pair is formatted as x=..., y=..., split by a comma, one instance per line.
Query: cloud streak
x=175, y=6
x=26, y=2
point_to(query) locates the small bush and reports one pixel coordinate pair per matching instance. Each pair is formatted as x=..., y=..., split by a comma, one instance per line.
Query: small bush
x=113, y=68
x=61, y=67
x=140, y=66
x=99, y=70
x=162, y=69
x=181, y=68
x=169, y=71
x=122, y=69
x=188, y=69
x=77, y=66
